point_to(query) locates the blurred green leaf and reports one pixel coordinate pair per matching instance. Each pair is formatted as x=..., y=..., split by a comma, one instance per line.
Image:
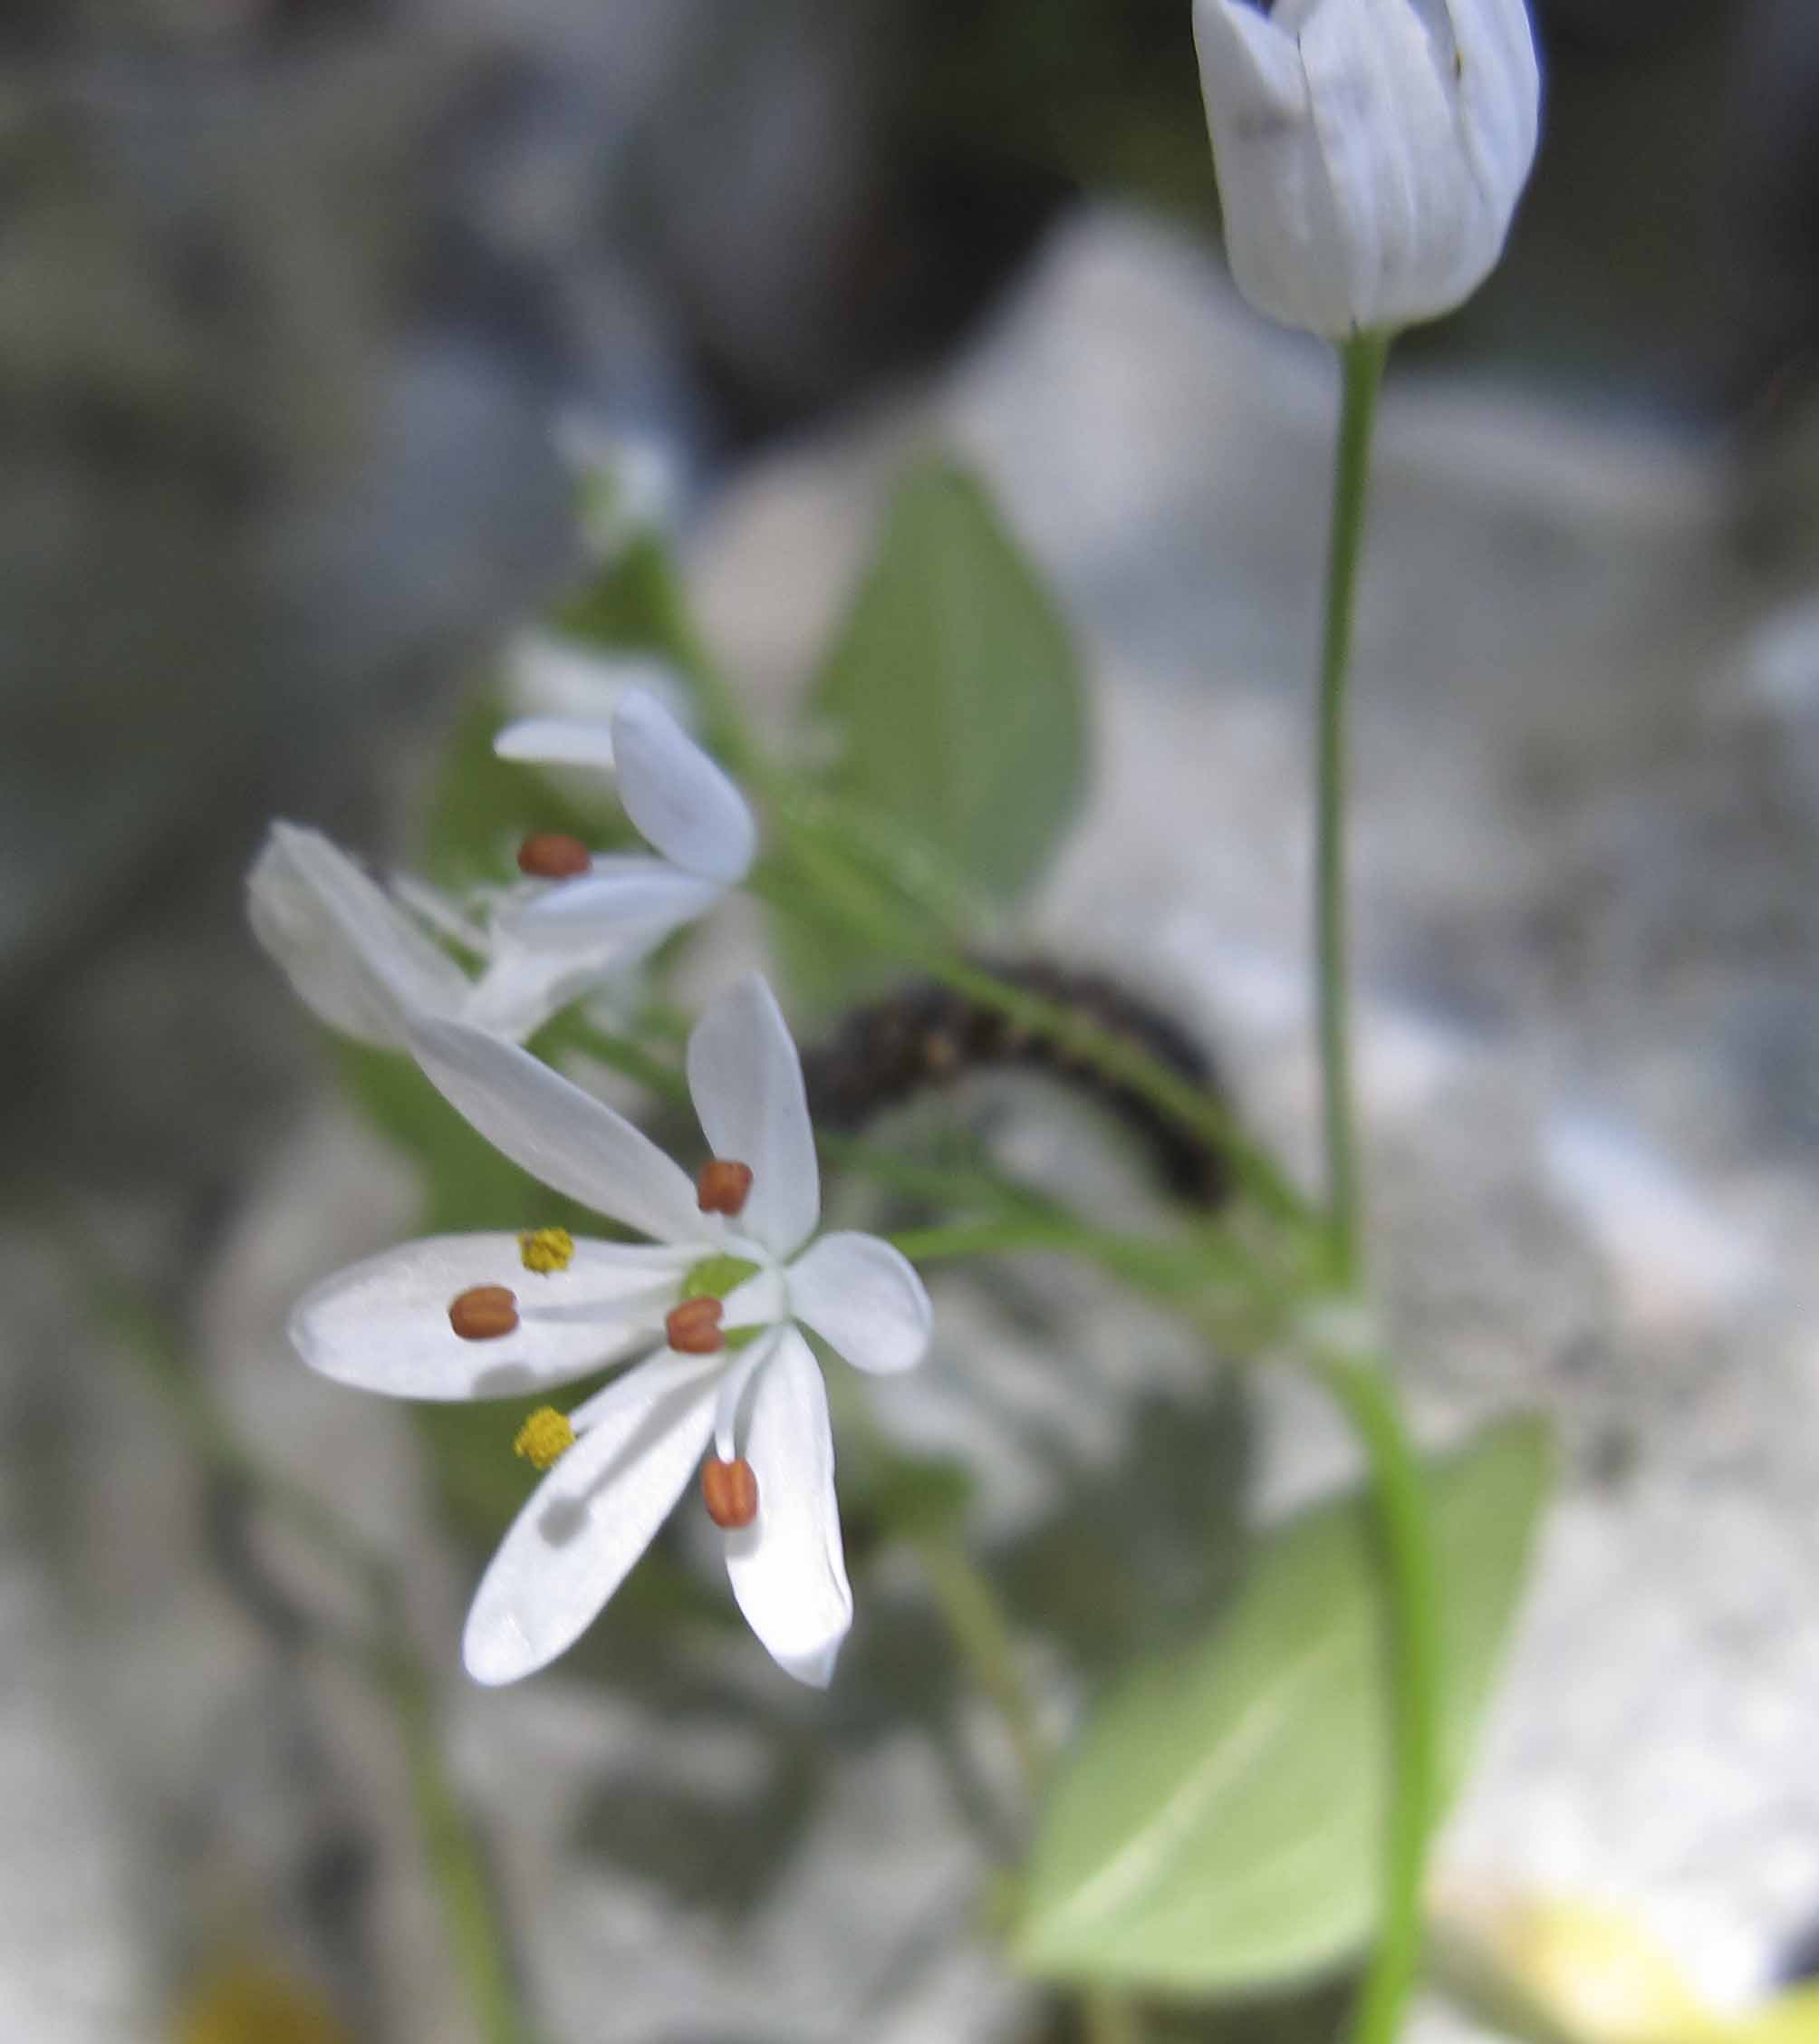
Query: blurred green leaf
x=954, y=696
x=954, y=689
x=1143, y=1551
x=1217, y=1830
x=633, y=603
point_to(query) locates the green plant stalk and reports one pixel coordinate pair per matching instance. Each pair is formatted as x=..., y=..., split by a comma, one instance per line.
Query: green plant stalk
x=456, y=1865
x=1409, y=1574
x=457, y=1869
x=975, y=1620
x=1407, y=1561
x=1167, y=1270
x=812, y=878
x=1363, y=359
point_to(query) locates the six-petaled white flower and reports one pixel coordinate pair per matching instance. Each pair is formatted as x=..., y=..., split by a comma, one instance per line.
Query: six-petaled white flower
x=472, y=1316
x=1369, y=153
x=369, y=962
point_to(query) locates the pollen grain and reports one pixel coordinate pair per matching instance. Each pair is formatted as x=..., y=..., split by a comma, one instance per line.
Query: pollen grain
x=546, y=1249
x=544, y=1438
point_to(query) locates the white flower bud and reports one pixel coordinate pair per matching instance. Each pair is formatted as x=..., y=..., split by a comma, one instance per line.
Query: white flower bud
x=1369, y=153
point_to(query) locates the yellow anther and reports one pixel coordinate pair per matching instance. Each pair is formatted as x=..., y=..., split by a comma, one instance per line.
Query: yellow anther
x=545, y=1249
x=544, y=1438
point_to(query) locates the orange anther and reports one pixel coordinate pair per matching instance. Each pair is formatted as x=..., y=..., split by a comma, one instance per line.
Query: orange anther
x=730, y=1491
x=554, y=855
x=484, y=1314
x=723, y=1186
x=693, y=1328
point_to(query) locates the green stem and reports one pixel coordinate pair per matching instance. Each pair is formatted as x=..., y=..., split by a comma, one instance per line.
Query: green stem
x=816, y=879
x=1363, y=360
x=977, y=1622
x=1169, y=1270
x=1408, y=1575
x=457, y=1867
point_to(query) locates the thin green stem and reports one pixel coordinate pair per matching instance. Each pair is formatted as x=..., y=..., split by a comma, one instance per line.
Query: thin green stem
x=457, y=1865
x=1363, y=360
x=1169, y=1270
x=816, y=880
x=1409, y=1577
x=977, y=1621
x=1408, y=1566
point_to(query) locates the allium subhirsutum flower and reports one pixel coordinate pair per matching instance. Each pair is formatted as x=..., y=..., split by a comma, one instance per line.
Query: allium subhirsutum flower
x=708, y=1315
x=370, y=961
x=1369, y=153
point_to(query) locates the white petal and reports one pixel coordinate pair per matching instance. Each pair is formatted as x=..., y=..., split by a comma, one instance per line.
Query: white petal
x=729, y=1398
x=1400, y=183
x=787, y=1568
x=678, y=796
x=1281, y=227
x=625, y=898
x=746, y=1079
x=551, y=676
x=462, y=922
x=383, y=1325
x=558, y=741
x=864, y=1299
x=524, y=984
x=592, y=1517
x=762, y=1299
x=564, y=1137
x=359, y=963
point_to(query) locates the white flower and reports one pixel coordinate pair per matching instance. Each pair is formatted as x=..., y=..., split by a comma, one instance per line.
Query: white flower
x=365, y=959
x=541, y=1310
x=1369, y=153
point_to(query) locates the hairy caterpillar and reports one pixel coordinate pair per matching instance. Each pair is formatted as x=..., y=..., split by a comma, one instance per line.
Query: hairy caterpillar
x=927, y=1035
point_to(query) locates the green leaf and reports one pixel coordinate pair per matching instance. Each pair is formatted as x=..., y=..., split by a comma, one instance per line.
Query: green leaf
x=954, y=689
x=953, y=697
x=1217, y=1830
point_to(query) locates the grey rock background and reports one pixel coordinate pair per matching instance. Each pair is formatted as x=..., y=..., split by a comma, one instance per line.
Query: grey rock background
x=288, y=298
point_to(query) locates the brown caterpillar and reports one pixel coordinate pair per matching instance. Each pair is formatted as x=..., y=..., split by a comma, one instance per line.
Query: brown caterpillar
x=927, y=1035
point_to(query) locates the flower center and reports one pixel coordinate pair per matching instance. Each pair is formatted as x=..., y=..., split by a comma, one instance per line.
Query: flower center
x=723, y=1186
x=485, y=1313
x=730, y=1492
x=693, y=1328
x=714, y=1277
x=546, y=1249
x=544, y=1438
x=554, y=855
